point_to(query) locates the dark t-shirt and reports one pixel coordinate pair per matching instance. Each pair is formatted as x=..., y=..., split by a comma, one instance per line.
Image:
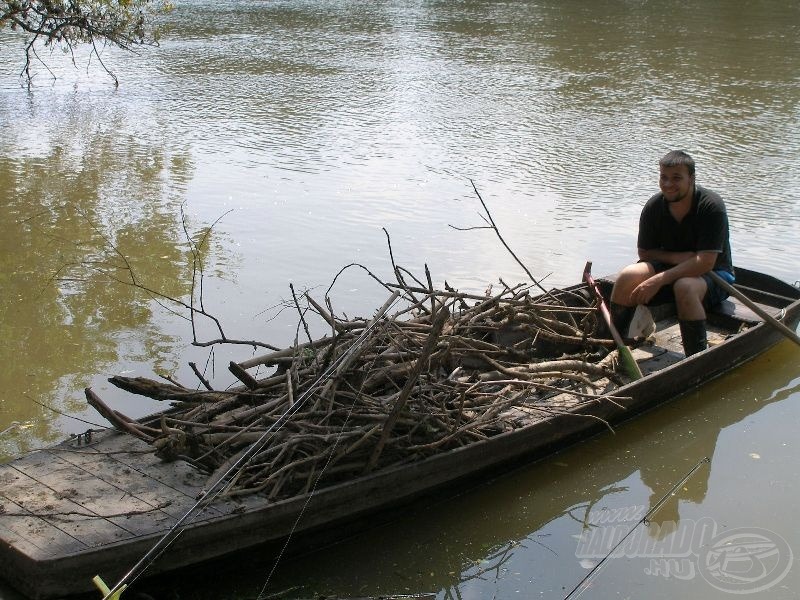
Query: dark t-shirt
x=704, y=228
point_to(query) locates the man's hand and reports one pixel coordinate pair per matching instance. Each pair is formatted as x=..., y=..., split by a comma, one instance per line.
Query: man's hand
x=645, y=291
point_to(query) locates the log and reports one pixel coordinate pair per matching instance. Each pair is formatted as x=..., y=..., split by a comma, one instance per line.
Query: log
x=113, y=417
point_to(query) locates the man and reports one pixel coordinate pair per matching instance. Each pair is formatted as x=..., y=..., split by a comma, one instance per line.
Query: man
x=683, y=234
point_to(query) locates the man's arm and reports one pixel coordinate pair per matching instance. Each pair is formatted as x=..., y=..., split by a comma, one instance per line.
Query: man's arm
x=665, y=256
x=693, y=265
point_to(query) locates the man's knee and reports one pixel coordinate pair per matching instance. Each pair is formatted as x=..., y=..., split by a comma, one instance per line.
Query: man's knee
x=640, y=270
x=627, y=280
x=689, y=294
x=689, y=288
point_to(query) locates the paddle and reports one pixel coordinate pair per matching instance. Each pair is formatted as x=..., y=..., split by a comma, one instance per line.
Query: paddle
x=628, y=362
x=755, y=308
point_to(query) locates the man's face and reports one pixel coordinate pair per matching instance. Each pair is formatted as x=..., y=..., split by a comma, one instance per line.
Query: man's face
x=675, y=183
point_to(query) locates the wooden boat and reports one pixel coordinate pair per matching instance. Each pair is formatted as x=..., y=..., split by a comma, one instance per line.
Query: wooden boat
x=97, y=506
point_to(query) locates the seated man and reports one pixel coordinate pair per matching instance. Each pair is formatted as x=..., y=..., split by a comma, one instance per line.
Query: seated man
x=683, y=234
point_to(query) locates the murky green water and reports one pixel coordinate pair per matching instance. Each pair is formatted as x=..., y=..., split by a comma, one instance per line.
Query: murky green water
x=308, y=127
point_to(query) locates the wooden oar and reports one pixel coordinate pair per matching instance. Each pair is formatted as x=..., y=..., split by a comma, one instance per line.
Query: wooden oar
x=755, y=308
x=628, y=362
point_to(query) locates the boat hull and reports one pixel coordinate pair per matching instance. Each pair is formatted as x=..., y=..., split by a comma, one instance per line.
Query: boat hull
x=112, y=537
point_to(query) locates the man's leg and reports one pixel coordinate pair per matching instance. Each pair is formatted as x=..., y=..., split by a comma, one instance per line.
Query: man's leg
x=621, y=307
x=689, y=294
x=628, y=279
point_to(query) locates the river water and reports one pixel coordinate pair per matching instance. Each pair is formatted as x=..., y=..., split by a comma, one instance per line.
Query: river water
x=293, y=138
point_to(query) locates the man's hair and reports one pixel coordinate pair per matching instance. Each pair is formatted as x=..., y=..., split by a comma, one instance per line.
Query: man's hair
x=677, y=158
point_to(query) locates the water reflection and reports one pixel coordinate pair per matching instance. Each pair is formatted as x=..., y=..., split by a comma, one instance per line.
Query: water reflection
x=61, y=318
x=384, y=113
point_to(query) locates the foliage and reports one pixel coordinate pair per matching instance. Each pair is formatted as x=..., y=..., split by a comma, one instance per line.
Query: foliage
x=65, y=23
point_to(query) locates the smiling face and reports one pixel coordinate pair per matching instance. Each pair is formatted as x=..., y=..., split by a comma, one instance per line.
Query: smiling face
x=676, y=184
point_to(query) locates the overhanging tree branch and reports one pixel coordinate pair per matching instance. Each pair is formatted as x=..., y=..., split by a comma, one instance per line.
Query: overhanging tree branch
x=66, y=23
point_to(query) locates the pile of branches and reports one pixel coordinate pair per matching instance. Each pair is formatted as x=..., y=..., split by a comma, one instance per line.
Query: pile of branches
x=447, y=370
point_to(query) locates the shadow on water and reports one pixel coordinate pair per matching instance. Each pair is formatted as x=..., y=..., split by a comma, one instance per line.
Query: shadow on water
x=518, y=528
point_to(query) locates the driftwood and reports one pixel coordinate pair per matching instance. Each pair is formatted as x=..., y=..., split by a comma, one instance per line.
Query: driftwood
x=446, y=370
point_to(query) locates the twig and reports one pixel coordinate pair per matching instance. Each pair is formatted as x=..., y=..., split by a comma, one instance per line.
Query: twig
x=200, y=376
x=493, y=226
x=441, y=316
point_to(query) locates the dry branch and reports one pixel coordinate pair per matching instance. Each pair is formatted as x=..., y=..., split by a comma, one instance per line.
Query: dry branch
x=446, y=370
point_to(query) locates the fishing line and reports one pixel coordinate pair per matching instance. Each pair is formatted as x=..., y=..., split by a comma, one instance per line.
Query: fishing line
x=213, y=492
x=216, y=488
x=13, y=425
x=644, y=520
x=313, y=490
x=63, y=414
x=308, y=499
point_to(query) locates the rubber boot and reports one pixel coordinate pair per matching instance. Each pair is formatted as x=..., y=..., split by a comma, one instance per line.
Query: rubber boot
x=621, y=317
x=693, y=334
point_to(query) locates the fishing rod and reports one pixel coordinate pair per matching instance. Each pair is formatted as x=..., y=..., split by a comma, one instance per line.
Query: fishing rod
x=581, y=587
x=217, y=486
x=302, y=511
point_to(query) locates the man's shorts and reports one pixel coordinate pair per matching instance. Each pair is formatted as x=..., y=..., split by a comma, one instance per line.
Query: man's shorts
x=714, y=295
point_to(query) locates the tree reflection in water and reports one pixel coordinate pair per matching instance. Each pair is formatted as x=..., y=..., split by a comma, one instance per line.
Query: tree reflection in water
x=62, y=320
